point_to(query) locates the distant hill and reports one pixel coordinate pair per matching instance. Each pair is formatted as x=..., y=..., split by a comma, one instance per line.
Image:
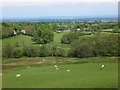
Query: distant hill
x=60, y=19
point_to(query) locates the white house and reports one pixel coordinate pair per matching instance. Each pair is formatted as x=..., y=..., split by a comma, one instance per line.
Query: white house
x=23, y=31
x=14, y=32
x=78, y=29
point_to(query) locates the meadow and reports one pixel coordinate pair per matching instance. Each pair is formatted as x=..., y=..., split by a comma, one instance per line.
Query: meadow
x=39, y=72
x=84, y=72
x=80, y=76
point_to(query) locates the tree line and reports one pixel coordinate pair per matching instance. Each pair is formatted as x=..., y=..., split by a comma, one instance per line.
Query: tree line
x=31, y=27
x=100, y=45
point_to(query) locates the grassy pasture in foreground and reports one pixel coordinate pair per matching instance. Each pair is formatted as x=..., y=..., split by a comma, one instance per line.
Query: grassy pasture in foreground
x=85, y=73
x=80, y=76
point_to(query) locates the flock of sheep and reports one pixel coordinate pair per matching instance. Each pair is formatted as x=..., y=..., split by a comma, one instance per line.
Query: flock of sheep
x=56, y=67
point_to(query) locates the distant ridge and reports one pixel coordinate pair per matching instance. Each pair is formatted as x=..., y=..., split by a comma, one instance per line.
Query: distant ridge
x=60, y=19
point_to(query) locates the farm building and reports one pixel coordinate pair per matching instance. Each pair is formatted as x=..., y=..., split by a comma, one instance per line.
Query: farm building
x=68, y=30
x=58, y=31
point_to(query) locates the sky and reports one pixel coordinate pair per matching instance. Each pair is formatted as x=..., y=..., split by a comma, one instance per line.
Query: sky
x=38, y=8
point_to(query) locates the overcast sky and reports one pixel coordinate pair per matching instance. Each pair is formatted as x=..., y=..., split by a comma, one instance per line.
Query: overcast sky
x=38, y=8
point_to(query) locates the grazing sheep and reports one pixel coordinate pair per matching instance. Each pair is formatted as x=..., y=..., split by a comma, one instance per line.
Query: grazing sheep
x=55, y=66
x=68, y=70
x=18, y=75
x=102, y=66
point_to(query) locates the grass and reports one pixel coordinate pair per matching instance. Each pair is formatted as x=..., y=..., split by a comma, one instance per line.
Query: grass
x=107, y=30
x=86, y=75
x=20, y=39
x=86, y=37
x=85, y=72
x=57, y=39
x=58, y=36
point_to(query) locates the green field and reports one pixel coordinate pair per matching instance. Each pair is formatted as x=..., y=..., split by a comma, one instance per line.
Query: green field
x=19, y=38
x=107, y=30
x=80, y=76
x=27, y=39
x=58, y=36
x=84, y=73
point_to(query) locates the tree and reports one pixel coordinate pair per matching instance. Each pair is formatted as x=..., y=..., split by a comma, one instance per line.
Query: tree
x=53, y=46
x=116, y=30
x=55, y=27
x=43, y=36
x=81, y=48
x=69, y=38
x=7, y=32
x=31, y=51
x=16, y=27
x=55, y=49
x=8, y=51
x=43, y=51
x=107, y=44
x=30, y=29
x=17, y=53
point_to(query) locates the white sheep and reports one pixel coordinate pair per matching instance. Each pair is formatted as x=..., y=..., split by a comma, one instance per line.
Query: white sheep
x=68, y=70
x=55, y=66
x=102, y=66
x=18, y=75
